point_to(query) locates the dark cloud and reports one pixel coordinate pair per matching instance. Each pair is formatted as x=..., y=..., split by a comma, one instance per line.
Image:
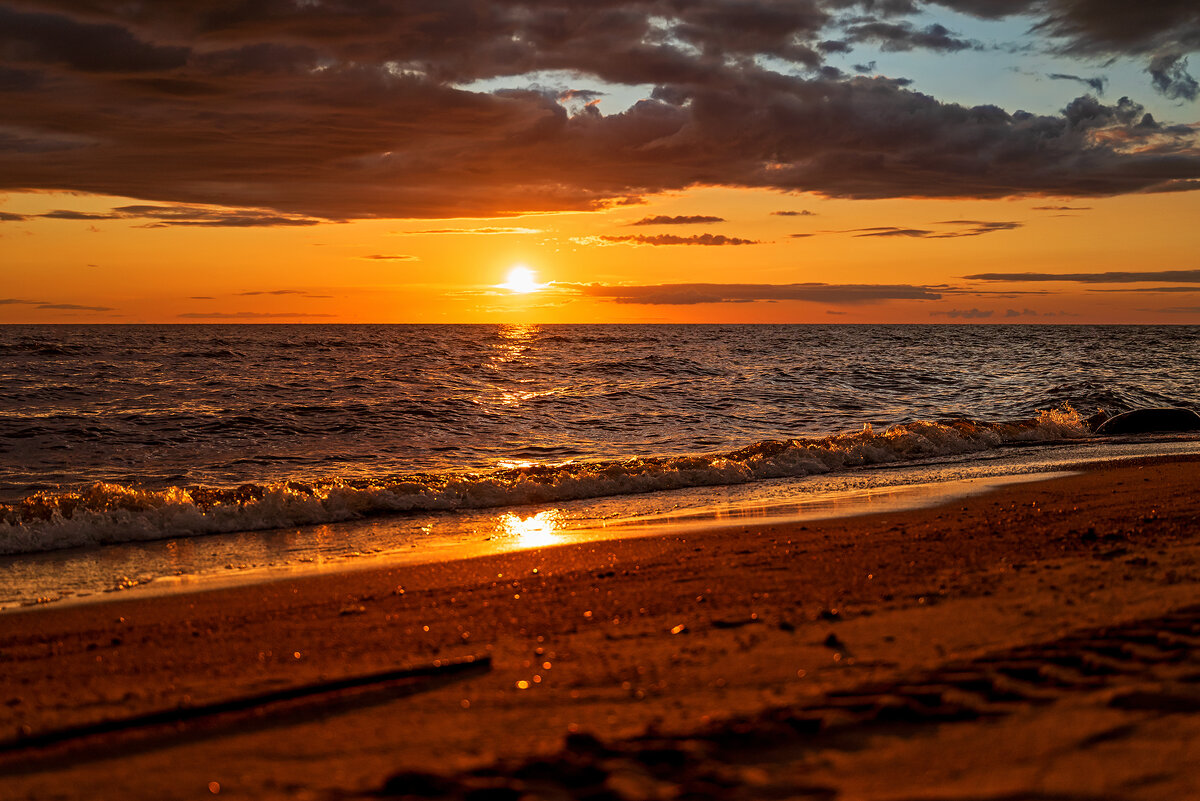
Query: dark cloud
x=965, y=228
x=74, y=307
x=247, y=315
x=8, y=216
x=42, y=305
x=671, y=239
x=67, y=214
x=902, y=36
x=164, y=216
x=1100, y=27
x=201, y=297
x=1163, y=30
x=391, y=257
x=339, y=110
x=1020, y=313
x=1184, y=276
x=663, y=219
x=690, y=294
x=297, y=292
x=976, y=228
x=800, y=236
x=801, y=213
x=1160, y=289
x=1169, y=75
x=963, y=314
x=1062, y=208
x=53, y=39
x=888, y=231
x=1097, y=84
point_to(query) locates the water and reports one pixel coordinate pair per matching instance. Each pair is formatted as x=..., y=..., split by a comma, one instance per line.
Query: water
x=118, y=434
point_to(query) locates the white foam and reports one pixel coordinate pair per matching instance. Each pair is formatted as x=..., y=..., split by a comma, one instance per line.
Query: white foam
x=111, y=513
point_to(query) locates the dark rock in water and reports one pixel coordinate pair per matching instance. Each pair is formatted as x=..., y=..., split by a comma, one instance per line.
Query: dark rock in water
x=1143, y=421
x=1096, y=420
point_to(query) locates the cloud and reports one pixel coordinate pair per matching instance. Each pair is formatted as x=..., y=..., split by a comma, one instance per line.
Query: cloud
x=1184, y=276
x=247, y=315
x=329, y=111
x=1097, y=84
x=391, y=257
x=1160, y=289
x=473, y=231
x=1176, y=310
x=964, y=314
x=185, y=215
x=74, y=307
x=671, y=239
x=1163, y=30
x=888, y=231
x=42, y=305
x=1169, y=76
x=690, y=294
x=1100, y=27
x=966, y=228
x=902, y=36
x=1020, y=313
x=1062, y=208
x=663, y=219
x=180, y=215
x=801, y=213
x=67, y=214
x=8, y=216
x=49, y=39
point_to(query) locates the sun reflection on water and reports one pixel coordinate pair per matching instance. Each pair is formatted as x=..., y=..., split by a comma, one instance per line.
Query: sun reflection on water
x=535, y=531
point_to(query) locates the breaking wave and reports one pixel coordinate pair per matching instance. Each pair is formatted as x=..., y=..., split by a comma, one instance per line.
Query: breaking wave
x=104, y=513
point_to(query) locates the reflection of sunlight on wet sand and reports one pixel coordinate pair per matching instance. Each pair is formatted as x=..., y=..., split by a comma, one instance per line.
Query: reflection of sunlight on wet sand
x=536, y=531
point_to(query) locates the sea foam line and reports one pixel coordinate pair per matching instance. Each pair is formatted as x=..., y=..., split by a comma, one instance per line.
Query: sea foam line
x=104, y=513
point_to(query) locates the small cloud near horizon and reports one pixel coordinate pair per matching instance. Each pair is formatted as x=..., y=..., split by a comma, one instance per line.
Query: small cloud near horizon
x=694, y=219
x=74, y=307
x=691, y=294
x=671, y=239
x=471, y=231
x=391, y=257
x=297, y=292
x=964, y=314
x=1116, y=277
x=246, y=315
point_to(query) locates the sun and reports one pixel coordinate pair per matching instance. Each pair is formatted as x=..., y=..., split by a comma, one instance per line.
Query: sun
x=521, y=280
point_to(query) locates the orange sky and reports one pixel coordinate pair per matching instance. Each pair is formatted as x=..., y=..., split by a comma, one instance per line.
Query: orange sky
x=316, y=162
x=326, y=273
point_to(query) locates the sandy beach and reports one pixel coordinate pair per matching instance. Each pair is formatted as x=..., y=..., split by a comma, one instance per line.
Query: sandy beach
x=1034, y=642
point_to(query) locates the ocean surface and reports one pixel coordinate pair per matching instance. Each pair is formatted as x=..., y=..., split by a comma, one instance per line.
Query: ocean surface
x=112, y=435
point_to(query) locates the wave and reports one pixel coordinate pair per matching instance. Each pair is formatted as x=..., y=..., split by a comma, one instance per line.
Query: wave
x=105, y=513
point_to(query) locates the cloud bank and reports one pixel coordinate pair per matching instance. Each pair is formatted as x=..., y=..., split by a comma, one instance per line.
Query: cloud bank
x=337, y=110
x=691, y=294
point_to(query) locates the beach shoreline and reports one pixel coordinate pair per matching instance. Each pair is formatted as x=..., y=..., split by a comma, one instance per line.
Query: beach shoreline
x=669, y=634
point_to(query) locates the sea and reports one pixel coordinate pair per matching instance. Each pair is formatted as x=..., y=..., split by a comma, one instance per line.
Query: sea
x=173, y=457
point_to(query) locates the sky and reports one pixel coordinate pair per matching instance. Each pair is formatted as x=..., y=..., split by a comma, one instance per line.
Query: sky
x=595, y=161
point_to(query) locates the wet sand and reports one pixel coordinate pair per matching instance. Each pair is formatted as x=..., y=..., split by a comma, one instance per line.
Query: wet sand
x=1035, y=642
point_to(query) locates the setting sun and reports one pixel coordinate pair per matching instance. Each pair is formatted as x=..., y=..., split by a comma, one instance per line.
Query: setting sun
x=521, y=280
